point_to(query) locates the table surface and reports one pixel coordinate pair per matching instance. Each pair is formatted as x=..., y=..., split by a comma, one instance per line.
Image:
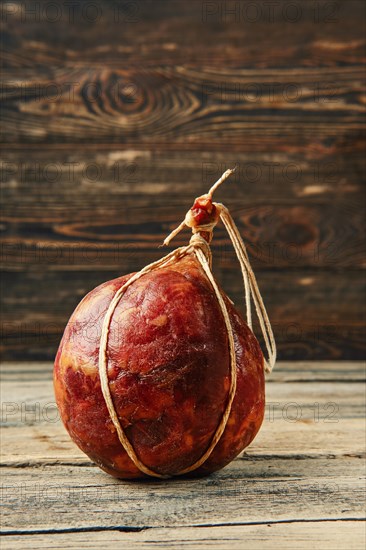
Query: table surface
x=300, y=484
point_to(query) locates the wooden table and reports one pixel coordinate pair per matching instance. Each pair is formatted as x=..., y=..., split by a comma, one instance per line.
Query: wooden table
x=299, y=485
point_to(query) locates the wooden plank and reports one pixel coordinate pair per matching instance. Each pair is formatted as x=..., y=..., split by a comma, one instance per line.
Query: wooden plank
x=279, y=236
x=88, y=182
x=315, y=314
x=327, y=535
x=248, y=490
x=145, y=32
x=197, y=115
x=48, y=443
x=315, y=339
x=55, y=214
x=313, y=371
x=289, y=296
x=319, y=418
x=305, y=390
x=168, y=87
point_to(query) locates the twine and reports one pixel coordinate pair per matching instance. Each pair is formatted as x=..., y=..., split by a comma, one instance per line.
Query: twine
x=199, y=246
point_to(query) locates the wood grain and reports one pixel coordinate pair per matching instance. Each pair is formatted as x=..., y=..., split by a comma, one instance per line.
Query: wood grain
x=299, y=482
x=172, y=105
x=157, y=85
x=326, y=38
x=255, y=491
x=281, y=236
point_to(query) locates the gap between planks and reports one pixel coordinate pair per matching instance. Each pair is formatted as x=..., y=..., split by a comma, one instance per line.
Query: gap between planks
x=139, y=529
x=325, y=534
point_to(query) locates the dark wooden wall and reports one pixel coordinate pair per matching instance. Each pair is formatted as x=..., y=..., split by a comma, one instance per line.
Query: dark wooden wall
x=115, y=115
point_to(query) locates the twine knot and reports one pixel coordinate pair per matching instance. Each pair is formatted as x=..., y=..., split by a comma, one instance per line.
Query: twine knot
x=204, y=214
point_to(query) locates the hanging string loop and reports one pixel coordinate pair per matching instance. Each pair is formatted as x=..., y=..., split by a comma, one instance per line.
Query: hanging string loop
x=202, y=218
